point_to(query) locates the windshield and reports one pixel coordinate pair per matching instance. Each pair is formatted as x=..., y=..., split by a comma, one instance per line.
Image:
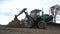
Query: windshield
x=39, y=13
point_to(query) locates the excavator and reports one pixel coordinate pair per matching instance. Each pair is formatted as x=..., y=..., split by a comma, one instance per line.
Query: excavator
x=36, y=19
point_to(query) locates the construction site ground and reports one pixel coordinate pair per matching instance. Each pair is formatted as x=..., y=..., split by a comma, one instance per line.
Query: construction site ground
x=7, y=30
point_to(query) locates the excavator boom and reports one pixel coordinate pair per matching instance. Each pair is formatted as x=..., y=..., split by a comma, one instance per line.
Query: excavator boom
x=21, y=12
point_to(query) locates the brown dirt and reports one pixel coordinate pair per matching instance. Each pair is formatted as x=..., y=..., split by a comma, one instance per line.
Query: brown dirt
x=6, y=30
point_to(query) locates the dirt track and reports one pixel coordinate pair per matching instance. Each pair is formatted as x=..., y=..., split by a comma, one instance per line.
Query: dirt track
x=27, y=31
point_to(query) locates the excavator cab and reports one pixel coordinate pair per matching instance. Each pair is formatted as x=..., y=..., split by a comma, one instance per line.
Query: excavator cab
x=35, y=13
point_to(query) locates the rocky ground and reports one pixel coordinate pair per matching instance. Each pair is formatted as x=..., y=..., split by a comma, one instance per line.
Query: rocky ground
x=7, y=30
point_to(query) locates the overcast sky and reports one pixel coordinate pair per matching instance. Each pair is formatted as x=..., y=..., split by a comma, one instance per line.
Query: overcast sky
x=8, y=8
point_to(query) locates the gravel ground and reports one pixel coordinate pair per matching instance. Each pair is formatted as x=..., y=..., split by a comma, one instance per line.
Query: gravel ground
x=6, y=30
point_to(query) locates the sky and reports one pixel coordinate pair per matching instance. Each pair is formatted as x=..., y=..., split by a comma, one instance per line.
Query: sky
x=9, y=8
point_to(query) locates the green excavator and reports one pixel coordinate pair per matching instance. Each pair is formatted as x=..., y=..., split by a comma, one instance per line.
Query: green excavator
x=36, y=19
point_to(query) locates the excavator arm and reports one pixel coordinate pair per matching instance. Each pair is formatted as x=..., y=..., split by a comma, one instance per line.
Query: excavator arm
x=27, y=16
x=20, y=13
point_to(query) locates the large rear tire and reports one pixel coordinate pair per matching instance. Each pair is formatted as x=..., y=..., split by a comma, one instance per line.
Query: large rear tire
x=42, y=25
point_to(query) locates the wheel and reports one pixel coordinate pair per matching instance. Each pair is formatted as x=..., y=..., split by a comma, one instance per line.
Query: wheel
x=42, y=24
